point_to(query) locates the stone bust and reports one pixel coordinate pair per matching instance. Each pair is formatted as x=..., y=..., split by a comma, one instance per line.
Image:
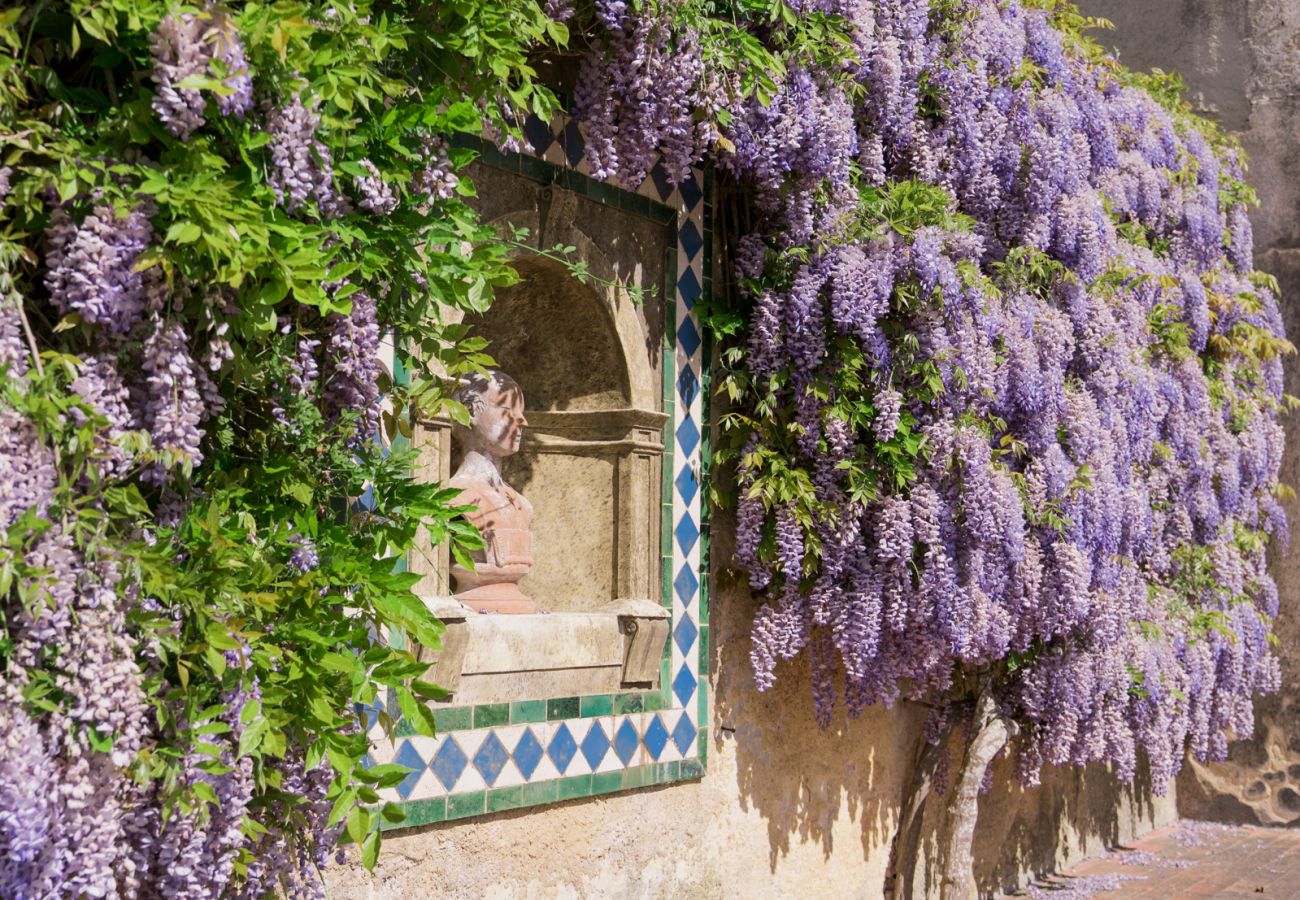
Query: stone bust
x=501, y=514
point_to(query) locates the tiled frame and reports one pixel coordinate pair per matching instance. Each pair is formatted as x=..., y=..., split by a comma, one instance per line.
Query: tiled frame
x=495, y=757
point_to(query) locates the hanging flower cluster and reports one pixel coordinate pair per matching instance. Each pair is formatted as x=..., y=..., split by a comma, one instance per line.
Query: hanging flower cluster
x=1009, y=401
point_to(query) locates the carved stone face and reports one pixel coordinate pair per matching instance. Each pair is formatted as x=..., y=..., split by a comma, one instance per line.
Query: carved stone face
x=499, y=420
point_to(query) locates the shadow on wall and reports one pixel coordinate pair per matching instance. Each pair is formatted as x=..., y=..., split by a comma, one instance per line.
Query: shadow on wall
x=845, y=783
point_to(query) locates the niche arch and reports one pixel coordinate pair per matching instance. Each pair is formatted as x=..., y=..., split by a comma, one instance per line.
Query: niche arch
x=592, y=459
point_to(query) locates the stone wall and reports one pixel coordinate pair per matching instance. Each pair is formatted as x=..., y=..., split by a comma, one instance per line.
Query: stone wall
x=1241, y=62
x=785, y=810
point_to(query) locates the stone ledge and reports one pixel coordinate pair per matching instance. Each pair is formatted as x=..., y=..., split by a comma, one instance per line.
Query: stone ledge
x=496, y=658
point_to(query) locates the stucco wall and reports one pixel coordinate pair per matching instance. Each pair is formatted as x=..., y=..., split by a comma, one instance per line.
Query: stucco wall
x=1241, y=62
x=786, y=810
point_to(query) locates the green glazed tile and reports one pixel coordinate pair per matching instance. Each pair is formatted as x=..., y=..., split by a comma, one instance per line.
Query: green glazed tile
x=652, y=701
x=541, y=792
x=562, y=708
x=606, y=782
x=628, y=703
x=421, y=812
x=691, y=768
x=505, y=798
x=455, y=718
x=669, y=771
x=703, y=745
x=405, y=728
x=523, y=711
x=704, y=651
x=461, y=805
x=490, y=714
x=634, y=777
x=596, y=705
x=575, y=786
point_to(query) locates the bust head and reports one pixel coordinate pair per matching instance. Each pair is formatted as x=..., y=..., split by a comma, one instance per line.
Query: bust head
x=496, y=412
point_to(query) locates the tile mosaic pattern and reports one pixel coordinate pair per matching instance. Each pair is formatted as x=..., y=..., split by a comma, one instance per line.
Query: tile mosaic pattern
x=503, y=756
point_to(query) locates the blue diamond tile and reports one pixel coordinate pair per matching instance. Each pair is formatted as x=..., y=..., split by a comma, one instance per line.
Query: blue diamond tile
x=655, y=737
x=688, y=338
x=562, y=748
x=688, y=436
x=687, y=534
x=684, y=634
x=595, y=745
x=686, y=584
x=539, y=135
x=688, y=288
x=684, y=685
x=663, y=184
x=688, y=385
x=491, y=758
x=573, y=143
x=528, y=753
x=626, y=741
x=686, y=484
x=449, y=762
x=410, y=757
x=691, y=192
x=684, y=735
x=690, y=240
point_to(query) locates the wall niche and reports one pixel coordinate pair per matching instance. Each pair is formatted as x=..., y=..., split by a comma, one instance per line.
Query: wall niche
x=589, y=357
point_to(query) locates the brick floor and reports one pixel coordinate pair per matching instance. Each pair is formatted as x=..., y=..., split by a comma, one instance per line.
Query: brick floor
x=1190, y=859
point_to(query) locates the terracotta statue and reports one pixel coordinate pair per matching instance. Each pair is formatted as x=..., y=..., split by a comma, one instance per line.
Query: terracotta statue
x=496, y=409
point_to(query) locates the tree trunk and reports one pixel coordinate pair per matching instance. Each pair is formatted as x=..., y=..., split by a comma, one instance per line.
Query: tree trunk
x=900, y=875
x=989, y=733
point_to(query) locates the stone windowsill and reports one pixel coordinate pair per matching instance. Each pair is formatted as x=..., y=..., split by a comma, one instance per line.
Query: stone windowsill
x=499, y=658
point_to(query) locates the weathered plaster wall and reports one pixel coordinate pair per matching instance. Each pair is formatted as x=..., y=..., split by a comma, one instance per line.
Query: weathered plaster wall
x=1241, y=62
x=786, y=810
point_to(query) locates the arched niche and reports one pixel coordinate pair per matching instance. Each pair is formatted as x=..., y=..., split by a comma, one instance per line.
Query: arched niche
x=591, y=462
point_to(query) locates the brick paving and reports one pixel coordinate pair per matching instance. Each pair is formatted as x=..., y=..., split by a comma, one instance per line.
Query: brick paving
x=1190, y=859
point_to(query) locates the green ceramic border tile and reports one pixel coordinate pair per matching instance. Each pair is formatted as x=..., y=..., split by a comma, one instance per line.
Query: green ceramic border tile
x=490, y=714
x=403, y=728
x=461, y=805
x=562, y=708
x=665, y=670
x=505, y=798
x=453, y=718
x=653, y=701
x=536, y=169
x=634, y=777
x=702, y=747
x=523, y=711
x=574, y=786
x=606, y=782
x=628, y=703
x=541, y=792
x=420, y=812
x=596, y=705
x=704, y=651
x=691, y=768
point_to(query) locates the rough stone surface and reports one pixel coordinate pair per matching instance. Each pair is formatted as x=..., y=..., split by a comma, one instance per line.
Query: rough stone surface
x=1241, y=62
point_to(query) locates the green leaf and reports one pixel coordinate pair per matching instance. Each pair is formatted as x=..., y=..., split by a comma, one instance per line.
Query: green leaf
x=415, y=712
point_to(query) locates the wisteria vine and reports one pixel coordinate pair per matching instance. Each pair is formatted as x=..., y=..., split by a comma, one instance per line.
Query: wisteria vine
x=1006, y=404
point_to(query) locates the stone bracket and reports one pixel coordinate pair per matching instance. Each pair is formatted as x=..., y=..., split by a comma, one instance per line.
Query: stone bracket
x=644, y=626
x=449, y=659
